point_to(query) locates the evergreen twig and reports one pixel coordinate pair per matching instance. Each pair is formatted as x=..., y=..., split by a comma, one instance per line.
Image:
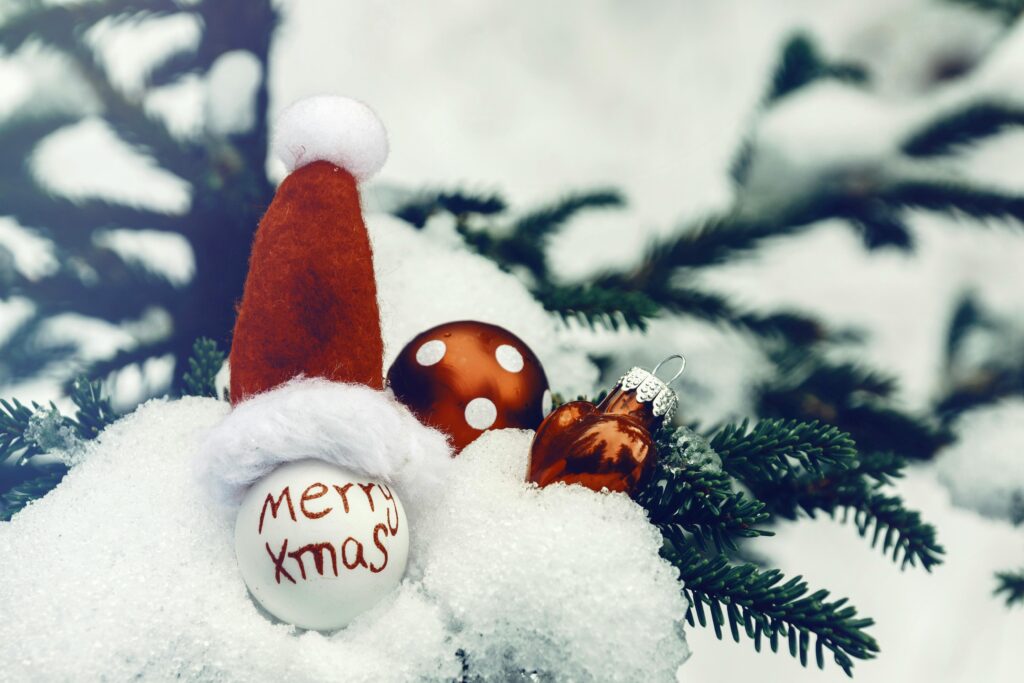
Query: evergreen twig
x=1010, y=585
x=204, y=364
x=762, y=604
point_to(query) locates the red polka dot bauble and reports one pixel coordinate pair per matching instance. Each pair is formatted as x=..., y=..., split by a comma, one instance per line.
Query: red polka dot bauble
x=466, y=377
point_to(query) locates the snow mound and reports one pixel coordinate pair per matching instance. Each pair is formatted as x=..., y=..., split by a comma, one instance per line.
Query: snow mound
x=558, y=580
x=422, y=283
x=126, y=571
x=984, y=469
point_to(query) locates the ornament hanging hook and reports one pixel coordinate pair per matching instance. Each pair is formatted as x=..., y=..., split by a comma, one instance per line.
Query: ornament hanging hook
x=682, y=366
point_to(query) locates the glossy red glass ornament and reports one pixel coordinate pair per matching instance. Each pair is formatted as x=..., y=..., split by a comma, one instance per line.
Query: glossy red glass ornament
x=607, y=446
x=466, y=377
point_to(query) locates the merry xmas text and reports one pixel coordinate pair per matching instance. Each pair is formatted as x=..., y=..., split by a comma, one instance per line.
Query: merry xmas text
x=350, y=551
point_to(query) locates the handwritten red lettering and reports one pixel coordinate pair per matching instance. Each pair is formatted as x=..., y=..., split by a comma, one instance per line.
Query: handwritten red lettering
x=368, y=490
x=386, y=492
x=343, y=491
x=359, y=561
x=381, y=547
x=307, y=496
x=279, y=563
x=318, y=550
x=275, y=506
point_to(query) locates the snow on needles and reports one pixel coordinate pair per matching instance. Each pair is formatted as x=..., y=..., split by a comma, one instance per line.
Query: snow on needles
x=127, y=571
x=984, y=469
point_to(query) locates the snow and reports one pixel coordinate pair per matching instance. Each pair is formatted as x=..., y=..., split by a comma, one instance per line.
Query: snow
x=127, y=571
x=66, y=163
x=231, y=87
x=340, y=130
x=33, y=255
x=167, y=254
x=422, y=283
x=561, y=579
x=984, y=470
x=130, y=49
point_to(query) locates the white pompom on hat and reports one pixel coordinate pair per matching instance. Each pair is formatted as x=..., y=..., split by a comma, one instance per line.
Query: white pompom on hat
x=340, y=130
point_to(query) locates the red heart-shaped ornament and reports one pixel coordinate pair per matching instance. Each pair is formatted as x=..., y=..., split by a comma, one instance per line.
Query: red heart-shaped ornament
x=580, y=444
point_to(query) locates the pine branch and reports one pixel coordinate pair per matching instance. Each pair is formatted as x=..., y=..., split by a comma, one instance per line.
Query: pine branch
x=93, y=412
x=775, y=449
x=204, y=364
x=541, y=223
x=594, y=305
x=855, y=490
x=761, y=604
x=15, y=419
x=955, y=197
x=1011, y=587
x=715, y=308
x=418, y=211
x=952, y=132
x=884, y=228
x=688, y=493
x=14, y=499
x=851, y=397
x=802, y=64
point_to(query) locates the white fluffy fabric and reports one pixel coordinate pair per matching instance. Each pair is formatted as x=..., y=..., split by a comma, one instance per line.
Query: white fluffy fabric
x=340, y=130
x=353, y=426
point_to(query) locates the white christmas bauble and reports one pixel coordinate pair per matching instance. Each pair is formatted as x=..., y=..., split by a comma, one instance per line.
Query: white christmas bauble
x=318, y=545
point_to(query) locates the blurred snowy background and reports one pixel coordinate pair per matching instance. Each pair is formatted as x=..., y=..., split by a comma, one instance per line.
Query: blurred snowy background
x=533, y=99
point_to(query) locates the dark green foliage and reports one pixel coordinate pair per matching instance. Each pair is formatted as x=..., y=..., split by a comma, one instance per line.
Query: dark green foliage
x=806, y=467
x=763, y=605
x=963, y=127
x=687, y=495
x=1011, y=586
x=14, y=499
x=418, y=211
x=775, y=449
x=802, y=64
x=973, y=381
x=204, y=364
x=788, y=467
x=514, y=244
x=594, y=304
x=28, y=431
x=852, y=397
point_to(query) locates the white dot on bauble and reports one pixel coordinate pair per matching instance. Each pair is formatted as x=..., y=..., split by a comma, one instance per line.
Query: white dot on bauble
x=431, y=353
x=509, y=358
x=546, y=403
x=481, y=413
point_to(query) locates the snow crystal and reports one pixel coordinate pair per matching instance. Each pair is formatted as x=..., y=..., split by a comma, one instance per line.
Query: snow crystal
x=984, y=470
x=48, y=431
x=127, y=571
x=695, y=451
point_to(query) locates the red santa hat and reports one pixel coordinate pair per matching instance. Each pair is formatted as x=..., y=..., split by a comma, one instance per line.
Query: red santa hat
x=307, y=355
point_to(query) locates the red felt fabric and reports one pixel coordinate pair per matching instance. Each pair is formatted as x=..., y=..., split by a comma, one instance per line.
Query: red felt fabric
x=310, y=300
